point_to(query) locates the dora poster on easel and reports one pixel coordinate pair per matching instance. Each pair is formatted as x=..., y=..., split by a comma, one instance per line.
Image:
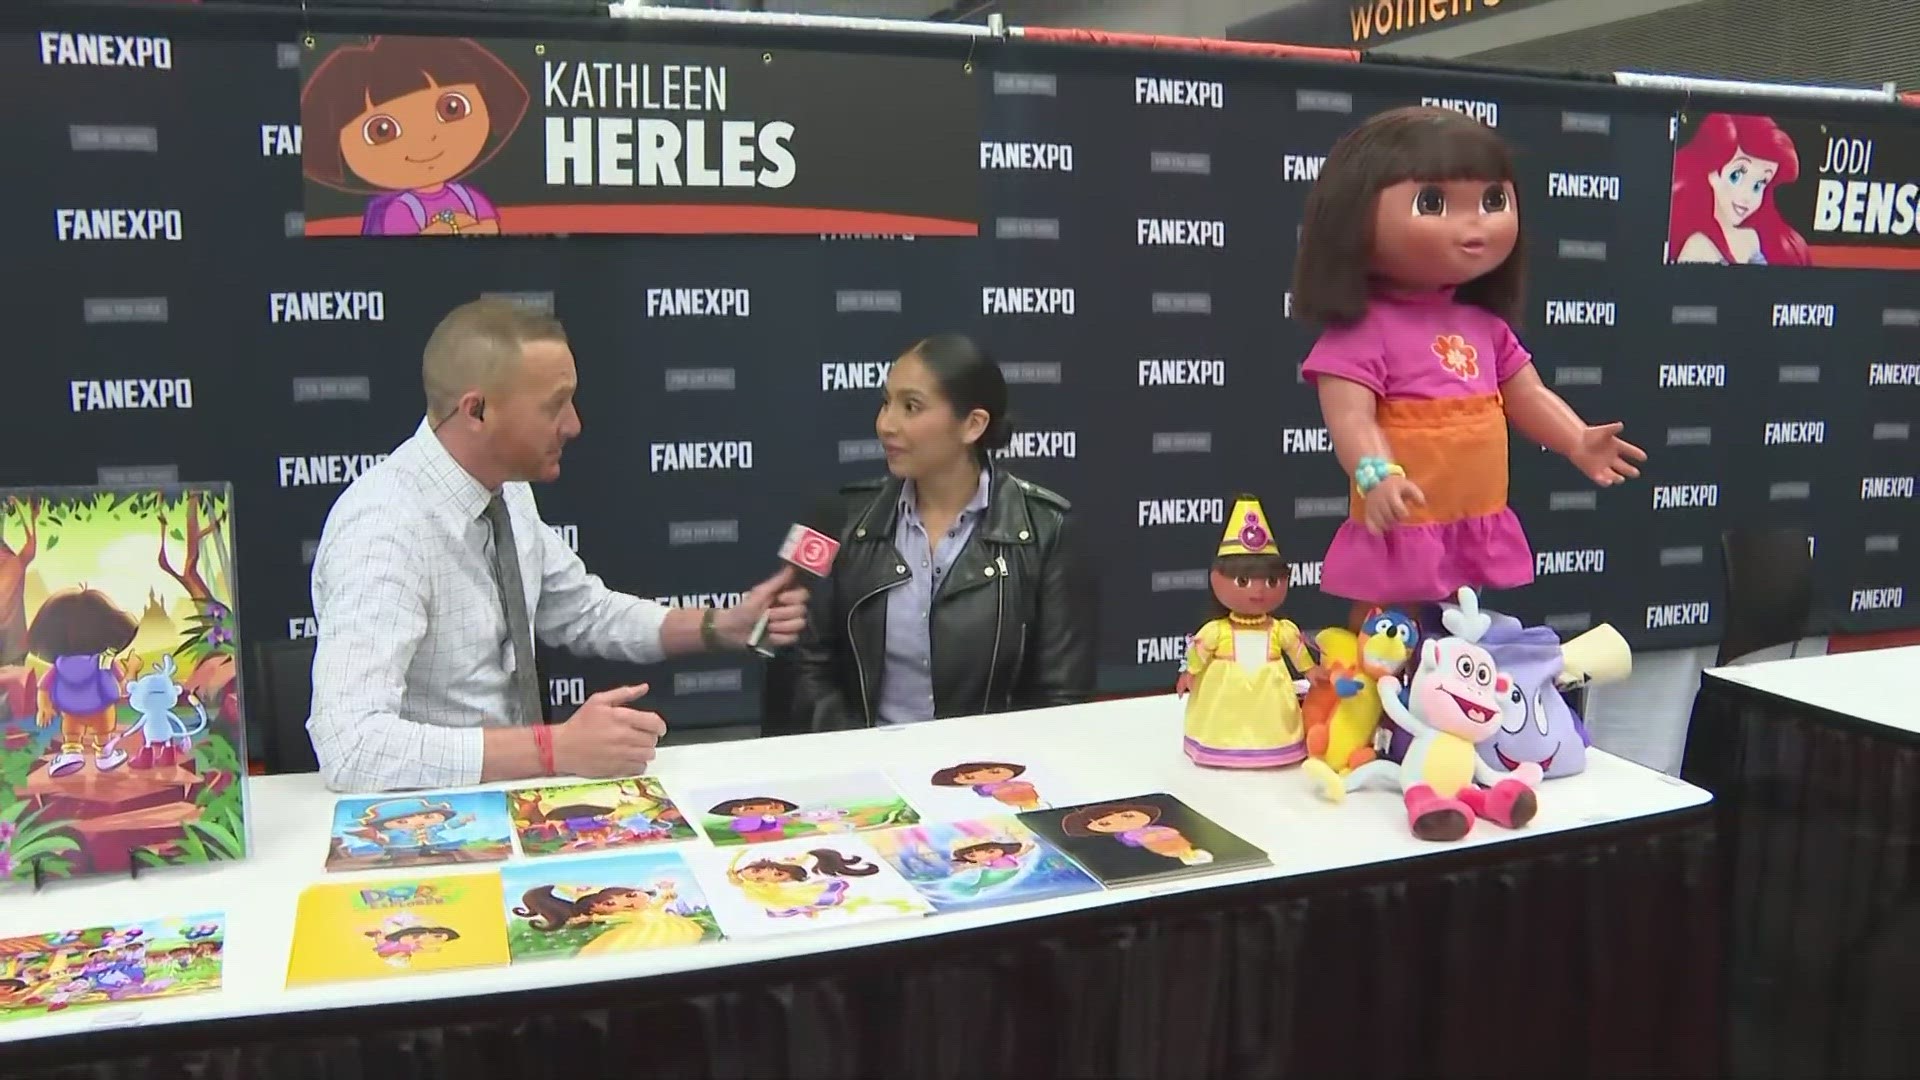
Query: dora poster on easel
x=122, y=730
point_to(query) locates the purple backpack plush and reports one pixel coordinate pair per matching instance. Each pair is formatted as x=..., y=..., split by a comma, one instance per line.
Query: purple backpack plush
x=371, y=221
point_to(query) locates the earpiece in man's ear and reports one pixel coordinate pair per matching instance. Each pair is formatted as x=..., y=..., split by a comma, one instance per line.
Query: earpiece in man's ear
x=479, y=410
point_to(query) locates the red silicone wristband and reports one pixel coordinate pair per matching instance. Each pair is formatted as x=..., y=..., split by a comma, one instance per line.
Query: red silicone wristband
x=543, y=740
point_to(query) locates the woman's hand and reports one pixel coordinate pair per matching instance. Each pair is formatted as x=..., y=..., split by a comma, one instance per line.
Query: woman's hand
x=1391, y=502
x=1606, y=458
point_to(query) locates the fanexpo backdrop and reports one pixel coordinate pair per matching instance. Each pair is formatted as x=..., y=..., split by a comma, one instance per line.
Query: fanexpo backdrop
x=167, y=318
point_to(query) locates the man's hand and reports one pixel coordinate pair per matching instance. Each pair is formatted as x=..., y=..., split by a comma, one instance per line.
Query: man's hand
x=784, y=605
x=605, y=738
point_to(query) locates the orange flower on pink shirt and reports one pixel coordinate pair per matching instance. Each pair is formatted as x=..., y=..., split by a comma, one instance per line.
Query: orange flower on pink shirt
x=1456, y=355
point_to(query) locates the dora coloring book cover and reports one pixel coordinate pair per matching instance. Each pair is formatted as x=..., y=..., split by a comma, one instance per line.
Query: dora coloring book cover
x=378, y=929
x=604, y=904
x=770, y=810
x=100, y=965
x=419, y=830
x=1144, y=838
x=122, y=730
x=570, y=818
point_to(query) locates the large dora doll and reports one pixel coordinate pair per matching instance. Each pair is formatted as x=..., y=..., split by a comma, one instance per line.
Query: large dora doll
x=1245, y=708
x=1411, y=265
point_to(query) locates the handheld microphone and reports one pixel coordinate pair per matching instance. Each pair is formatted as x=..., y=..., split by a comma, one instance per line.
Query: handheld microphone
x=809, y=550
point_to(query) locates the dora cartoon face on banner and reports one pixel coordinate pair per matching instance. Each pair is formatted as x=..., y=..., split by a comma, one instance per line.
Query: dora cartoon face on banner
x=1420, y=198
x=406, y=118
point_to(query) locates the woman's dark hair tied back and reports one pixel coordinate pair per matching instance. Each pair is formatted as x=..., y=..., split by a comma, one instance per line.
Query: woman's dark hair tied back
x=970, y=380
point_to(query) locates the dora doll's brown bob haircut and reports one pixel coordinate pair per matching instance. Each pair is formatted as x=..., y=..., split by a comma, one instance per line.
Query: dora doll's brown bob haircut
x=1332, y=271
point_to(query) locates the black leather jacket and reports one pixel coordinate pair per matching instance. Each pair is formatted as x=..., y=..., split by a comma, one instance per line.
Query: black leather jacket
x=1012, y=624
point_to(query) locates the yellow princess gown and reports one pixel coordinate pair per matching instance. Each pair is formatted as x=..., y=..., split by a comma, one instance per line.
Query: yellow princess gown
x=1241, y=719
x=649, y=928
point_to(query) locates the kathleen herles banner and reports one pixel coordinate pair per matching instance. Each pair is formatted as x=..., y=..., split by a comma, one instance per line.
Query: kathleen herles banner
x=1753, y=189
x=1138, y=222
x=418, y=135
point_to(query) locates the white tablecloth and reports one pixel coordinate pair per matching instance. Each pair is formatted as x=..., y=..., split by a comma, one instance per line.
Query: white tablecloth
x=1135, y=744
x=1875, y=686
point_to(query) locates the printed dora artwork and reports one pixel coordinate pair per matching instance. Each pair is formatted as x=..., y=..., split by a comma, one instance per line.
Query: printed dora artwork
x=609, y=904
x=985, y=862
x=99, y=965
x=420, y=830
x=573, y=818
x=758, y=812
x=376, y=929
x=802, y=885
x=1143, y=838
x=122, y=730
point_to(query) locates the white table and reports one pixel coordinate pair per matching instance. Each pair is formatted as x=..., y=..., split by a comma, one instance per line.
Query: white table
x=1136, y=742
x=1812, y=763
x=1877, y=686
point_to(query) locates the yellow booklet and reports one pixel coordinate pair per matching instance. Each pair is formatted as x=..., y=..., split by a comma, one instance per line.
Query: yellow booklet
x=399, y=926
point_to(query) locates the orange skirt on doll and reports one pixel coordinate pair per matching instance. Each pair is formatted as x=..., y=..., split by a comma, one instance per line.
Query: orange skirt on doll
x=1455, y=451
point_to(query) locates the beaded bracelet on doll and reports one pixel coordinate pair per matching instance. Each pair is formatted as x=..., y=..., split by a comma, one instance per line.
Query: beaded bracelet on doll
x=1372, y=470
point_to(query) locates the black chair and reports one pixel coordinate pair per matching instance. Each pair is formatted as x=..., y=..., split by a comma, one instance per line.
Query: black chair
x=1769, y=589
x=286, y=679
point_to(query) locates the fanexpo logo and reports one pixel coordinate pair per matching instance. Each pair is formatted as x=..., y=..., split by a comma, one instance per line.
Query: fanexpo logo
x=1582, y=313
x=697, y=456
x=1803, y=315
x=1304, y=575
x=1179, y=232
x=1026, y=300
x=1878, y=599
x=1893, y=375
x=279, y=140
x=1183, y=371
x=1313, y=440
x=1043, y=157
x=1159, y=650
x=699, y=303
x=1182, y=512
x=1691, y=375
x=93, y=395
x=1041, y=444
x=106, y=50
x=351, y=305
x=1486, y=112
x=1663, y=616
x=1685, y=496
x=1795, y=432
x=1301, y=168
x=854, y=374
x=303, y=626
x=117, y=223
x=325, y=470
x=568, y=534
x=1192, y=93
x=1581, y=561
x=1886, y=487
x=1583, y=186
x=700, y=600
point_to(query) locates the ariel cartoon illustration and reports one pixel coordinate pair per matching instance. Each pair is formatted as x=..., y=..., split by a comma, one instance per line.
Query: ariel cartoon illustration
x=407, y=118
x=995, y=780
x=79, y=631
x=790, y=887
x=1133, y=824
x=1245, y=708
x=1723, y=209
x=1411, y=266
x=636, y=918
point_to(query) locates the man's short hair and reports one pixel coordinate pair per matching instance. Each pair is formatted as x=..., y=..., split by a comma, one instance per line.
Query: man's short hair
x=476, y=347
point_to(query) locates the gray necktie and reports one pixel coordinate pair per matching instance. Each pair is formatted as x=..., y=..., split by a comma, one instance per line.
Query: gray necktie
x=513, y=600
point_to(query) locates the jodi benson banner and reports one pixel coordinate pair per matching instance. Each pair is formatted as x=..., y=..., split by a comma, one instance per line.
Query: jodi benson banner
x=413, y=136
x=1776, y=191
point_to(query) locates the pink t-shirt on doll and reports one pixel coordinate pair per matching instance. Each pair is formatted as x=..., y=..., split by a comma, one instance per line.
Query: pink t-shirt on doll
x=1420, y=346
x=1415, y=348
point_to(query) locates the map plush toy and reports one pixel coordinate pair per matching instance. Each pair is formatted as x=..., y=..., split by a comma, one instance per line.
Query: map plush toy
x=1453, y=705
x=1539, y=725
x=1343, y=709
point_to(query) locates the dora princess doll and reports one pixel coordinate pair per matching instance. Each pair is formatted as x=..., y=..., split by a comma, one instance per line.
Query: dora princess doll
x=1411, y=265
x=1245, y=708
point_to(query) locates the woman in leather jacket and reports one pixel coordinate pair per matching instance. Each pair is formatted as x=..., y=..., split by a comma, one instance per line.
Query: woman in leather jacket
x=957, y=589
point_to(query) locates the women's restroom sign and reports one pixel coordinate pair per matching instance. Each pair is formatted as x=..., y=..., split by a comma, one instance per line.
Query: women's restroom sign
x=1755, y=190
x=445, y=136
